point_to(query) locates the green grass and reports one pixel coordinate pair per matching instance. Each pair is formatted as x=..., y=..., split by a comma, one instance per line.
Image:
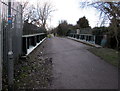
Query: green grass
x=108, y=55
x=49, y=36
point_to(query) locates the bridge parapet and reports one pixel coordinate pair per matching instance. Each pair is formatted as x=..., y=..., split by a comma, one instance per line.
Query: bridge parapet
x=94, y=39
x=30, y=42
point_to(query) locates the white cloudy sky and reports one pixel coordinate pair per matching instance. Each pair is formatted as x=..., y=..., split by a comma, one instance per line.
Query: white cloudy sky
x=70, y=10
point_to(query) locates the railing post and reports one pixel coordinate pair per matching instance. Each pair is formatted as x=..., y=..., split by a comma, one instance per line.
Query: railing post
x=85, y=37
x=79, y=36
x=24, y=45
x=71, y=35
x=89, y=38
x=28, y=39
x=37, y=39
x=94, y=39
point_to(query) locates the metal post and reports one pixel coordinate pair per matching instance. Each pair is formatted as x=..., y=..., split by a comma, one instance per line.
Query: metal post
x=10, y=52
x=94, y=38
x=0, y=51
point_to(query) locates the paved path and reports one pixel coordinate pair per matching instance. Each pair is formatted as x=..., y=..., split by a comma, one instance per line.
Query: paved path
x=76, y=68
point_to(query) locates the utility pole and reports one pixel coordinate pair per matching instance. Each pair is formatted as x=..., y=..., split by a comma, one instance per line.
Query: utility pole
x=10, y=52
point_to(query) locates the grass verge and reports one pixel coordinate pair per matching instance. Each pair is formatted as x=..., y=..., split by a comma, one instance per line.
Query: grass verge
x=108, y=55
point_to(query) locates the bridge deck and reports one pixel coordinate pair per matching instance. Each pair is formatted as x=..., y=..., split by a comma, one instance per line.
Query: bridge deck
x=76, y=68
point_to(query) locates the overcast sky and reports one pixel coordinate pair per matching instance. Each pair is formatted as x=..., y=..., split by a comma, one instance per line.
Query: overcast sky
x=70, y=10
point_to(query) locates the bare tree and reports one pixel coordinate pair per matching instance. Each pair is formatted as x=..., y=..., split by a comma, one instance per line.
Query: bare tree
x=44, y=12
x=30, y=14
x=24, y=5
x=38, y=14
x=111, y=10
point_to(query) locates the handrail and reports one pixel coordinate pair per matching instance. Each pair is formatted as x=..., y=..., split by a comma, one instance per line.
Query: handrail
x=30, y=42
x=30, y=35
x=88, y=37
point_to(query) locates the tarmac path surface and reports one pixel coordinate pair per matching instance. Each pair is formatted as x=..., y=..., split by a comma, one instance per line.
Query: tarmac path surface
x=74, y=67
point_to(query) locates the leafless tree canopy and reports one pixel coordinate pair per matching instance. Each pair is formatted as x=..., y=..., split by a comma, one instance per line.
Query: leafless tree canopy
x=24, y=4
x=39, y=14
x=111, y=10
x=30, y=14
x=44, y=12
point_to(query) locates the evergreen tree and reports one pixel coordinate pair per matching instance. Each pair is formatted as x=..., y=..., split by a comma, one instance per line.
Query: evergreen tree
x=83, y=22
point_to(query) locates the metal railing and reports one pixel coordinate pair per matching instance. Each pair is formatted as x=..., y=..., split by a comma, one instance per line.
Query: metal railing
x=87, y=37
x=29, y=41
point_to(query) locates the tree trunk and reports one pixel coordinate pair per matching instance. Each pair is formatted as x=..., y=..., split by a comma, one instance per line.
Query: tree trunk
x=115, y=28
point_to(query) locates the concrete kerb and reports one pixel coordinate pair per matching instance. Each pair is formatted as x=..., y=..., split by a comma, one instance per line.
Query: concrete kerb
x=84, y=42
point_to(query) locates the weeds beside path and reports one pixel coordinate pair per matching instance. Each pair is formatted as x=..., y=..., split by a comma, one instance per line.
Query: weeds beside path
x=33, y=72
x=109, y=55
